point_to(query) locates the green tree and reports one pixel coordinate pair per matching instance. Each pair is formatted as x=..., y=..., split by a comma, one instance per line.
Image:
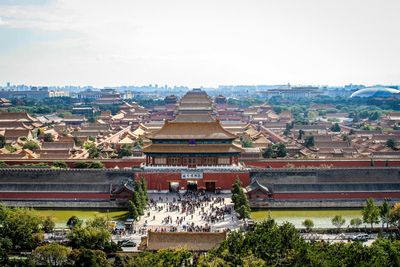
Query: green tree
x=74, y=221
x=384, y=213
x=81, y=165
x=286, y=132
x=281, y=151
x=94, y=153
x=137, y=201
x=164, y=257
x=98, y=221
x=355, y=222
x=335, y=127
x=10, y=148
x=60, y=164
x=2, y=141
x=96, y=165
x=48, y=137
x=309, y=141
x=31, y=145
x=301, y=134
x=133, y=212
x=92, y=119
x=48, y=225
x=236, y=190
x=338, y=221
x=173, y=258
x=247, y=143
x=312, y=116
x=308, y=224
x=6, y=245
x=125, y=151
x=138, y=143
x=288, y=129
x=141, y=193
x=89, y=237
x=391, y=143
x=39, y=132
x=88, y=258
x=240, y=200
x=277, y=245
x=395, y=215
x=384, y=252
x=374, y=116
x=143, y=184
x=244, y=210
x=370, y=213
x=77, y=141
x=269, y=153
x=22, y=227
x=52, y=254
x=346, y=138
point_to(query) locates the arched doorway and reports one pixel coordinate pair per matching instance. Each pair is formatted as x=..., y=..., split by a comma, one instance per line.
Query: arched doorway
x=191, y=185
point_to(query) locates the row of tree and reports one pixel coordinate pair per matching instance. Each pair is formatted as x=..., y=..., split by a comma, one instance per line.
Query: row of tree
x=371, y=214
x=269, y=244
x=240, y=200
x=138, y=203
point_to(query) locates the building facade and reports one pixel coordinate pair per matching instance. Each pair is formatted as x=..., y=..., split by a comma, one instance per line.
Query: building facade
x=192, y=144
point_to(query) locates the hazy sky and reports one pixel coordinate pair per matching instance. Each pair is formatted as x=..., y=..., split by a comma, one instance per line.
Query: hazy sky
x=203, y=42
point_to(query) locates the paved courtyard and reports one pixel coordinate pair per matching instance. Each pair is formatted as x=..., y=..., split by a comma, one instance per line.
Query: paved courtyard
x=189, y=212
x=173, y=212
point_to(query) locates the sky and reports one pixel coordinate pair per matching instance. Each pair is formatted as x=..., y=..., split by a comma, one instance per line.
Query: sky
x=199, y=43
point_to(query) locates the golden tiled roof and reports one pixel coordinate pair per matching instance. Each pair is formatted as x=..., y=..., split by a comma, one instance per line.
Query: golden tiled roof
x=192, y=130
x=194, y=118
x=16, y=116
x=202, y=241
x=180, y=148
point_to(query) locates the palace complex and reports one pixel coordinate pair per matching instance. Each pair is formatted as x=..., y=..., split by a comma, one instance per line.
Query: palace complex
x=195, y=142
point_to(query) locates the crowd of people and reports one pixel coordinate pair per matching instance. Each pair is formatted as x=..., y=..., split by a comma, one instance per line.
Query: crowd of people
x=198, y=211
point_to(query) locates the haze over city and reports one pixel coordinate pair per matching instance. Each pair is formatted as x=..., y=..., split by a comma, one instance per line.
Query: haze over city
x=199, y=133
x=199, y=43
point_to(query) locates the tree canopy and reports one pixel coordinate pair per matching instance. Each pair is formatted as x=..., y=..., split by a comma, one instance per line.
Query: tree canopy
x=370, y=213
x=240, y=200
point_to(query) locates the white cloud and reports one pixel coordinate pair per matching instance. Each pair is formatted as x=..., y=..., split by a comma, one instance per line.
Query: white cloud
x=206, y=42
x=2, y=22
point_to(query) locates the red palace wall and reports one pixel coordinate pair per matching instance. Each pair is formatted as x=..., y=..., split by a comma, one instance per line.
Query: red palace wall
x=48, y=195
x=224, y=180
x=274, y=163
x=318, y=163
x=338, y=195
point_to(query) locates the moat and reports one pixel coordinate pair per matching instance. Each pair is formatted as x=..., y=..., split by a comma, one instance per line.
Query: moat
x=321, y=217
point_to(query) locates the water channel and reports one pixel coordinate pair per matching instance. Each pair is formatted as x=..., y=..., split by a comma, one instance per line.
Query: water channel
x=321, y=217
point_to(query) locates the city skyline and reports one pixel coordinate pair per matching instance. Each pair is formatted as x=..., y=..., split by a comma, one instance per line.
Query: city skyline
x=197, y=44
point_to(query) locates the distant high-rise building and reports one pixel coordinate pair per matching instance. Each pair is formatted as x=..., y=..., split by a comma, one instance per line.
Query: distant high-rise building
x=35, y=92
x=292, y=92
